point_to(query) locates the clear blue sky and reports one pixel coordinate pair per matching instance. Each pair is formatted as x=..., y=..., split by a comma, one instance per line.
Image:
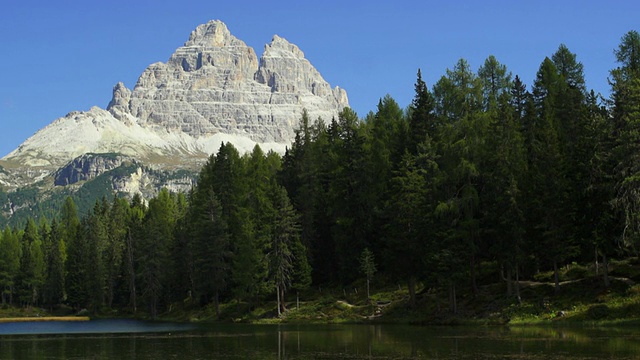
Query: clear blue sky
x=60, y=56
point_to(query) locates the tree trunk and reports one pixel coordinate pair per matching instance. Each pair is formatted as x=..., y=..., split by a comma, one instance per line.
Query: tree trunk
x=412, y=292
x=132, y=276
x=282, y=304
x=556, y=276
x=453, y=303
x=509, y=282
x=474, y=283
x=518, y=286
x=605, y=272
x=278, y=300
x=368, y=296
x=596, y=261
x=216, y=303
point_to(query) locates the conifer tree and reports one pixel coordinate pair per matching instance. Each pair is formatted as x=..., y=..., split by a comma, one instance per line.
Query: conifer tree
x=10, y=254
x=54, y=291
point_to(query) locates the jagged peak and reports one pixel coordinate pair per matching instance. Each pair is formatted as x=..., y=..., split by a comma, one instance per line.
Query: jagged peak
x=120, y=98
x=281, y=47
x=214, y=33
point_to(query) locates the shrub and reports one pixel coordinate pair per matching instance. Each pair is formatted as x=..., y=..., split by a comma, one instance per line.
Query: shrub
x=598, y=312
x=576, y=272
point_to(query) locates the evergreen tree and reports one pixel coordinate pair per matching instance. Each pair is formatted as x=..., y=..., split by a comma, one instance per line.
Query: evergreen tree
x=285, y=238
x=116, y=232
x=422, y=121
x=625, y=94
x=134, y=245
x=211, y=248
x=153, y=258
x=410, y=234
x=458, y=103
x=368, y=267
x=32, y=266
x=10, y=254
x=553, y=218
x=496, y=82
x=54, y=291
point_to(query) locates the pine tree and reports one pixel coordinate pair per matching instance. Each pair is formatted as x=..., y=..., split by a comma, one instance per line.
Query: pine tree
x=153, y=257
x=553, y=218
x=211, y=247
x=284, y=238
x=625, y=94
x=54, y=287
x=32, y=266
x=368, y=267
x=10, y=254
x=422, y=122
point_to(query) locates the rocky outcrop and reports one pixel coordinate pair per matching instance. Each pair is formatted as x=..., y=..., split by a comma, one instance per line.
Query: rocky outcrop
x=88, y=167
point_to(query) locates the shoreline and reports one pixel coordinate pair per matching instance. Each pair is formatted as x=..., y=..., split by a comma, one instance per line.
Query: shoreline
x=44, y=318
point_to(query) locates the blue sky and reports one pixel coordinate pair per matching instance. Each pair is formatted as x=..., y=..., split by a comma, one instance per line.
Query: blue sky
x=61, y=56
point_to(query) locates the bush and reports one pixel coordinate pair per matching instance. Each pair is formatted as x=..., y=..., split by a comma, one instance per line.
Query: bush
x=576, y=272
x=598, y=312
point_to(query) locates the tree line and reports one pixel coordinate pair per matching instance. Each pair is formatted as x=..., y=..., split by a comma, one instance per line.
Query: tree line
x=478, y=172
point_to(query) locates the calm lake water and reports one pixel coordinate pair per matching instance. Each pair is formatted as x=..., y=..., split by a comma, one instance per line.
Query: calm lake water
x=127, y=339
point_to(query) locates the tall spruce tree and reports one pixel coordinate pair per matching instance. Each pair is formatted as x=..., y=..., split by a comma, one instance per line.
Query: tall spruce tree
x=625, y=95
x=154, y=260
x=10, y=254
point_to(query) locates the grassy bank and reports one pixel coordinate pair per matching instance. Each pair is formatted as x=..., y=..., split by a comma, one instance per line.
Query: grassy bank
x=582, y=298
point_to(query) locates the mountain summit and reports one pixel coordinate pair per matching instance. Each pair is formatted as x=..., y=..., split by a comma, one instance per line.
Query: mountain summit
x=212, y=89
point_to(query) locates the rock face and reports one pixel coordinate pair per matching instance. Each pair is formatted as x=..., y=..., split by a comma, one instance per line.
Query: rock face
x=212, y=89
x=88, y=167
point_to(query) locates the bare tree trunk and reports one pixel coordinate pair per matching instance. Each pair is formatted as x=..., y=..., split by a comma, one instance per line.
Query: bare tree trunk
x=412, y=292
x=282, y=304
x=556, y=277
x=596, y=260
x=509, y=282
x=605, y=272
x=216, y=303
x=368, y=296
x=474, y=284
x=278, y=300
x=453, y=302
x=518, y=285
x=132, y=275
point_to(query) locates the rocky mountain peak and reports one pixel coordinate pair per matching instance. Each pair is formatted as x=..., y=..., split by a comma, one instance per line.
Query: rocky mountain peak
x=212, y=34
x=212, y=89
x=279, y=46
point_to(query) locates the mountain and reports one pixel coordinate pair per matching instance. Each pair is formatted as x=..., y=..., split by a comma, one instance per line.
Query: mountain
x=213, y=89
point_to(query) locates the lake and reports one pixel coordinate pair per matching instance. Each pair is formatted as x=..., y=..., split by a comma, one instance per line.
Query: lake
x=129, y=339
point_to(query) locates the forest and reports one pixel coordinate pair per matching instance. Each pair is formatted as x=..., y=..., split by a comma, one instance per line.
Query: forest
x=478, y=171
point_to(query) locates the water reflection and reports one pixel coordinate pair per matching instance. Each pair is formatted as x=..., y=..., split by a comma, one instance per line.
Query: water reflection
x=184, y=341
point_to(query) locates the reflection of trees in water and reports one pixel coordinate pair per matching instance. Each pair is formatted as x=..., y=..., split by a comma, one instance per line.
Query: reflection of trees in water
x=335, y=342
